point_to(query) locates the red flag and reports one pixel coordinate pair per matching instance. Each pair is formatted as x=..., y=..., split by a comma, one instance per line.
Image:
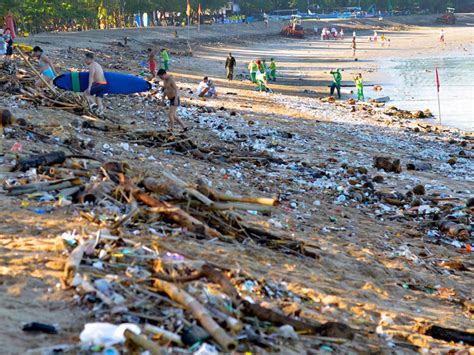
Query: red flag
x=199, y=9
x=437, y=79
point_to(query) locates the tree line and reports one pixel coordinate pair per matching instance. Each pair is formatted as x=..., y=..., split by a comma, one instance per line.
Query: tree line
x=34, y=15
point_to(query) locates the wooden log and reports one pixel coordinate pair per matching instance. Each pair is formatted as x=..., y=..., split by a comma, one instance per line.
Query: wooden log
x=191, y=191
x=165, y=334
x=142, y=342
x=217, y=196
x=199, y=312
x=169, y=188
x=176, y=214
x=44, y=186
x=35, y=161
x=329, y=329
x=448, y=334
x=71, y=266
x=233, y=324
x=224, y=206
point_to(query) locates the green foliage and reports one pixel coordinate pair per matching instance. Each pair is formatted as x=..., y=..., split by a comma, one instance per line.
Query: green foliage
x=36, y=15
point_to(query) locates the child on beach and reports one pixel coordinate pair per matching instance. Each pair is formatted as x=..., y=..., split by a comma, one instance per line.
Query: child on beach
x=165, y=57
x=152, y=62
x=441, y=37
x=359, y=82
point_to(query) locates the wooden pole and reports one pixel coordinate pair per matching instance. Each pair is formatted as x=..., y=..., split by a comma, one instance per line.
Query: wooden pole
x=439, y=108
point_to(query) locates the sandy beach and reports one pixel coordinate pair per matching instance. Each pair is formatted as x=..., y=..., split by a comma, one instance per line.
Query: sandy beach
x=383, y=268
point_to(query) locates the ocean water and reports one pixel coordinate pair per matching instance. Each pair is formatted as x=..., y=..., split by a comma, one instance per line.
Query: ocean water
x=411, y=85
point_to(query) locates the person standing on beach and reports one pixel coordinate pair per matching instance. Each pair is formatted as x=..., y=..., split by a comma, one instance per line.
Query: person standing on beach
x=359, y=82
x=253, y=69
x=263, y=66
x=273, y=70
x=152, y=62
x=354, y=47
x=441, y=37
x=166, y=59
x=171, y=92
x=336, y=83
x=230, y=64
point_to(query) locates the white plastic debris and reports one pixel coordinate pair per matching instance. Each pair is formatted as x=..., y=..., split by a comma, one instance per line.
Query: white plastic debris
x=287, y=332
x=106, y=334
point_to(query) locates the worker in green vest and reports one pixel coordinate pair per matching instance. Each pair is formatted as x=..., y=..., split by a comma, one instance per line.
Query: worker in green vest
x=359, y=82
x=261, y=81
x=253, y=69
x=273, y=70
x=166, y=59
x=336, y=83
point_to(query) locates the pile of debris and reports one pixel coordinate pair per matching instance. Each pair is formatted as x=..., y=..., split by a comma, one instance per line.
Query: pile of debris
x=18, y=79
x=127, y=272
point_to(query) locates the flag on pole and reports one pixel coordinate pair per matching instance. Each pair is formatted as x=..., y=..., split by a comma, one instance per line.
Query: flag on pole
x=188, y=9
x=437, y=79
x=199, y=10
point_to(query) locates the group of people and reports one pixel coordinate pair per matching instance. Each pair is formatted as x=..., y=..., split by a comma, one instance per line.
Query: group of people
x=6, y=43
x=327, y=34
x=163, y=57
x=337, y=80
x=261, y=72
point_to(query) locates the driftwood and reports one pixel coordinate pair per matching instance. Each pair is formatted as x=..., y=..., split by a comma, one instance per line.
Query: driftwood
x=217, y=196
x=176, y=214
x=447, y=334
x=199, y=312
x=35, y=161
x=191, y=191
x=142, y=342
x=164, y=188
x=72, y=263
x=45, y=186
x=164, y=334
x=330, y=329
x=95, y=192
x=233, y=324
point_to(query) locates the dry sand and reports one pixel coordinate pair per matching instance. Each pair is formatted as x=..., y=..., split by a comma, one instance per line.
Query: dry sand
x=353, y=279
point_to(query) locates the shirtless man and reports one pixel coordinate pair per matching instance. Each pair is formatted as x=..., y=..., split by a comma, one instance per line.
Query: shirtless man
x=171, y=92
x=97, y=84
x=45, y=65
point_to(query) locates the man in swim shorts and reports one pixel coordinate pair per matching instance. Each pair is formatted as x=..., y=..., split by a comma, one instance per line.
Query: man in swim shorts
x=97, y=85
x=171, y=92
